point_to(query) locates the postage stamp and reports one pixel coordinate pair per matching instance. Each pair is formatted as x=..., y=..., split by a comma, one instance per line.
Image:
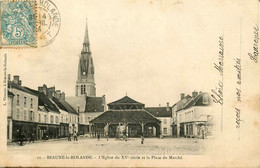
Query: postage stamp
x=18, y=24
x=48, y=22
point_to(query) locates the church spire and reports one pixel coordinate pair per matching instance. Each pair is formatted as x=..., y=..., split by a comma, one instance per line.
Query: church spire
x=85, y=85
x=86, y=44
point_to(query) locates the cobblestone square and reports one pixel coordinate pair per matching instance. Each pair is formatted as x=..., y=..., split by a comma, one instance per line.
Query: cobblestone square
x=91, y=146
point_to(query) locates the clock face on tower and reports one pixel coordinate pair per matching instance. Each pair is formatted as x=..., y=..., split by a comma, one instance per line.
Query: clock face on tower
x=84, y=73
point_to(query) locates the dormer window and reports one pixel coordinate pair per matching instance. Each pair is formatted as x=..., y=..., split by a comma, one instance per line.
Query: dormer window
x=205, y=99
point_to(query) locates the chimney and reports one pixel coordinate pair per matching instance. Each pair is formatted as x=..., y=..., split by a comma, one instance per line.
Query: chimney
x=50, y=92
x=16, y=79
x=44, y=89
x=62, y=97
x=168, y=107
x=9, y=77
x=57, y=94
x=104, y=102
x=40, y=89
x=182, y=96
x=20, y=82
x=194, y=94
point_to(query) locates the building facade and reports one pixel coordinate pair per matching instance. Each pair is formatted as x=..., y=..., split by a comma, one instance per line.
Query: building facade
x=164, y=114
x=23, y=108
x=38, y=114
x=195, y=118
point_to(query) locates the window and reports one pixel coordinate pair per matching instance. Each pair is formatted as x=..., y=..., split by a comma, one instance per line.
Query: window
x=165, y=130
x=25, y=115
x=39, y=117
x=24, y=101
x=165, y=121
x=52, y=119
x=56, y=119
x=17, y=113
x=45, y=118
x=84, y=89
x=81, y=89
x=31, y=116
x=18, y=99
x=31, y=103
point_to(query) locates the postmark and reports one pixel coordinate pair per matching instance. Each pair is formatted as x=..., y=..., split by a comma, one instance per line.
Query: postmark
x=48, y=22
x=18, y=24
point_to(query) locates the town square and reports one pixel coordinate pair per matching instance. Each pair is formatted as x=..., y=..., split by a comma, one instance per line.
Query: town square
x=93, y=147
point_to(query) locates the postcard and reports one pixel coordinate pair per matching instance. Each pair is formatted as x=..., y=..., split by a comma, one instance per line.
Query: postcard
x=153, y=83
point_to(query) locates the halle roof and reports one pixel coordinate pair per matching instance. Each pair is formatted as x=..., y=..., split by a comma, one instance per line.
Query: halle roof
x=125, y=116
x=159, y=111
x=125, y=100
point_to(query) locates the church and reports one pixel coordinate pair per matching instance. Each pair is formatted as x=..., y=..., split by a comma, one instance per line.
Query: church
x=85, y=101
x=124, y=116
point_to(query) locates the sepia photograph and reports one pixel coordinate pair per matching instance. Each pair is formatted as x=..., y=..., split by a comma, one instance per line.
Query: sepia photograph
x=158, y=83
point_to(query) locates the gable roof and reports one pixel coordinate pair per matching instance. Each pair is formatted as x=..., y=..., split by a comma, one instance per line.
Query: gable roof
x=43, y=100
x=181, y=103
x=125, y=116
x=125, y=100
x=21, y=88
x=159, y=111
x=197, y=101
x=94, y=104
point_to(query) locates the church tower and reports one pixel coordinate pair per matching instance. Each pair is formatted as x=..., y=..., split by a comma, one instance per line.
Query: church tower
x=85, y=85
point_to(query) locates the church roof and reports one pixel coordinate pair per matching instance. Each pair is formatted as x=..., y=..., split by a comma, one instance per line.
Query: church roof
x=94, y=104
x=76, y=102
x=159, y=111
x=125, y=116
x=125, y=100
x=64, y=105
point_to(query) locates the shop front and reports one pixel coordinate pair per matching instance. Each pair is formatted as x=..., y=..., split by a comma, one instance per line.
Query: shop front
x=28, y=129
x=64, y=129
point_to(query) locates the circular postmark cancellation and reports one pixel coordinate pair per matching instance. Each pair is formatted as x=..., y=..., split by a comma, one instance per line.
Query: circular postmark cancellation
x=48, y=22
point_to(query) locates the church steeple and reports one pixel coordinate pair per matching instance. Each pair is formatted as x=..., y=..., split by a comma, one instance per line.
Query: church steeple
x=85, y=84
x=86, y=44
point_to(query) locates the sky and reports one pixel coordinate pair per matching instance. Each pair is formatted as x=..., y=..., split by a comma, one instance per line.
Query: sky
x=151, y=50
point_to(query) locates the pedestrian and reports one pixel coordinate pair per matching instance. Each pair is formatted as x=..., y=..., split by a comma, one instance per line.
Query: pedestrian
x=124, y=135
x=107, y=136
x=75, y=136
x=69, y=139
x=98, y=136
x=142, y=138
x=32, y=138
